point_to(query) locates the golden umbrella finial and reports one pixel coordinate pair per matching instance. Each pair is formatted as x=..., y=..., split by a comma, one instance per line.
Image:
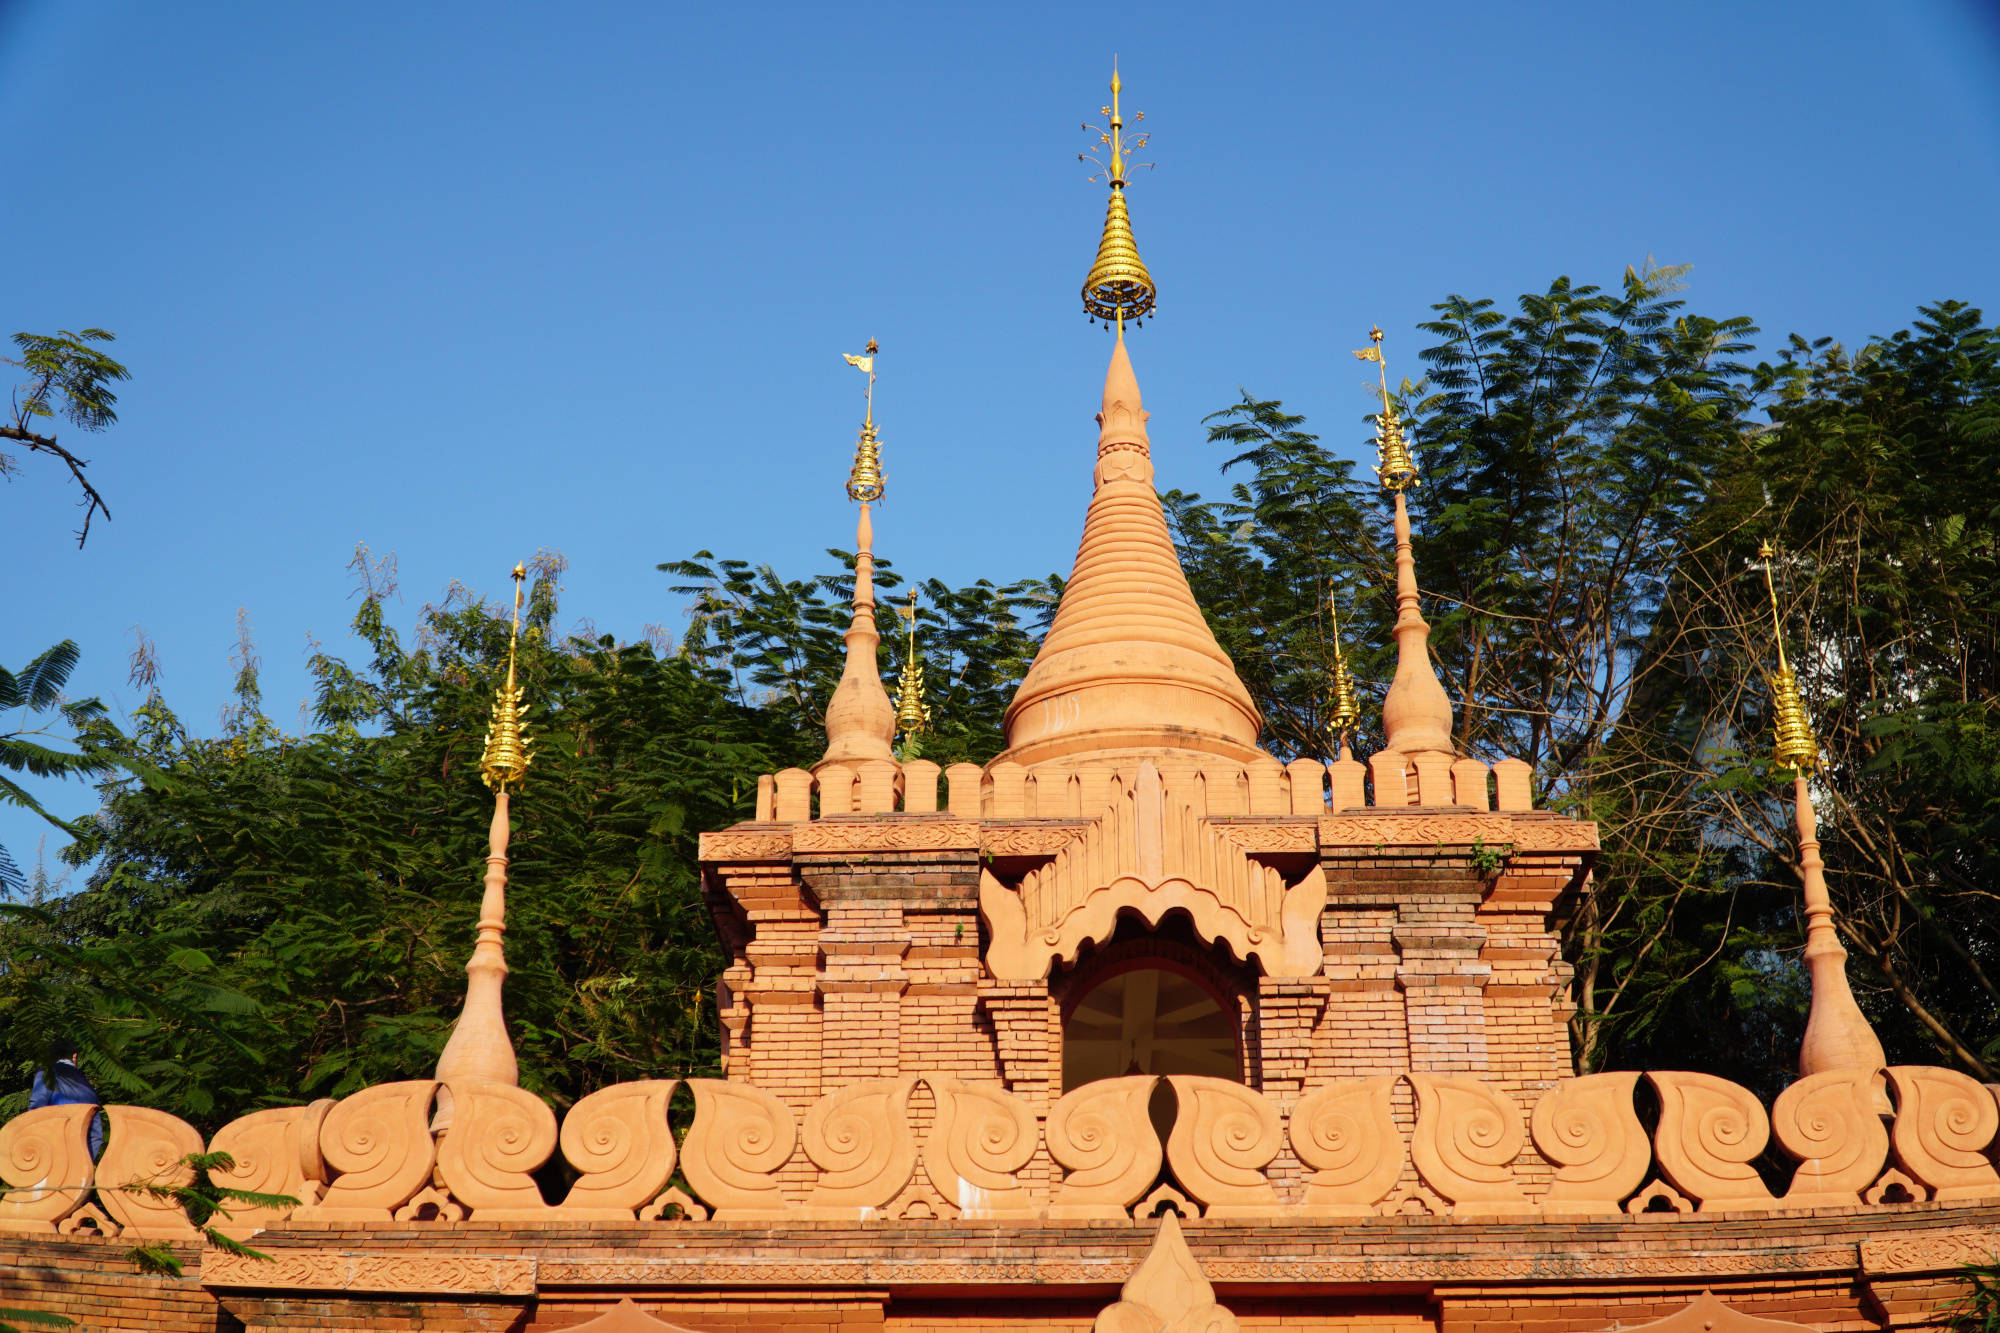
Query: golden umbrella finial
x=1394, y=467
x=913, y=715
x=1119, y=287
x=1345, y=709
x=507, y=754
x=1795, y=745
x=865, y=482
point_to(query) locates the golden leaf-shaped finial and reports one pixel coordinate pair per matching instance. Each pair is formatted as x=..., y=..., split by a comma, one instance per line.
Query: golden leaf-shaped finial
x=1794, y=745
x=1394, y=467
x=1119, y=286
x=508, y=749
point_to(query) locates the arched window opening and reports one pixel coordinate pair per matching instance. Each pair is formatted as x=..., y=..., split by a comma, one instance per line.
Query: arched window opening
x=1141, y=1018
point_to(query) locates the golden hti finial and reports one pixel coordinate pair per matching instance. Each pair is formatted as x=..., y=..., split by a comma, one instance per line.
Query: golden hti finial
x=1119, y=287
x=1344, y=709
x=507, y=754
x=1794, y=746
x=913, y=715
x=865, y=482
x=1394, y=467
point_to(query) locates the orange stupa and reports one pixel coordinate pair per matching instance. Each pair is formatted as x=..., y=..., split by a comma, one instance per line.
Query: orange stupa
x=1129, y=665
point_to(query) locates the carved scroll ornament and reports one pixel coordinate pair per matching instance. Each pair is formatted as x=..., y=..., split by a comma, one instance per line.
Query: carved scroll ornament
x=1831, y=1124
x=275, y=1152
x=1224, y=1135
x=619, y=1141
x=378, y=1143
x=1467, y=1137
x=860, y=1138
x=499, y=1136
x=1945, y=1125
x=740, y=1138
x=1103, y=1136
x=1588, y=1129
x=146, y=1147
x=981, y=1137
x=1347, y=1133
x=1710, y=1131
x=45, y=1156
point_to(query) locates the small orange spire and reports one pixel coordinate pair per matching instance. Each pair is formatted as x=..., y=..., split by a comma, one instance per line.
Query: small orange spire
x=1416, y=712
x=860, y=719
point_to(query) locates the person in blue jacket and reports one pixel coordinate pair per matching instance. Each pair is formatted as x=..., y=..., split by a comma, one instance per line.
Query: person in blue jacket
x=61, y=1083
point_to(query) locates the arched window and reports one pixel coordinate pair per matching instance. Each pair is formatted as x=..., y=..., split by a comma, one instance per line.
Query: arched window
x=1149, y=1016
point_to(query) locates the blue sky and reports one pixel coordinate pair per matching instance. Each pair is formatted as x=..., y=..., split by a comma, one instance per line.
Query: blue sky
x=462, y=281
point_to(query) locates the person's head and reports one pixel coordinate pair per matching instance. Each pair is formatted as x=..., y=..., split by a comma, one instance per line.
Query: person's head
x=64, y=1048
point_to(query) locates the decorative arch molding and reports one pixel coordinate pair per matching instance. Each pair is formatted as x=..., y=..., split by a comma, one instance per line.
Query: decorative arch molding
x=1150, y=852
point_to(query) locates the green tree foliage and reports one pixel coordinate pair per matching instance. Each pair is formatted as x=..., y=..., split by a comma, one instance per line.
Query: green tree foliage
x=1878, y=480
x=35, y=694
x=68, y=377
x=312, y=898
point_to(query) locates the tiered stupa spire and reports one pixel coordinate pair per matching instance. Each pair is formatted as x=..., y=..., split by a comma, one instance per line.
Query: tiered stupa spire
x=1416, y=713
x=479, y=1047
x=860, y=720
x=1129, y=665
x=1837, y=1032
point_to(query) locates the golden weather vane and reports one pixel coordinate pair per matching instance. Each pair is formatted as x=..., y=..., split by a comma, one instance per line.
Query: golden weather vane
x=865, y=482
x=507, y=754
x=1344, y=710
x=1795, y=746
x=913, y=715
x=1394, y=467
x=1118, y=287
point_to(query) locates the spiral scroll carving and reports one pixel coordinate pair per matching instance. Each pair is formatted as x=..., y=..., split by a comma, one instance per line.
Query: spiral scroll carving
x=1347, y=1133
x=1945, y=1123
x=1831, y=1123
x=1710, y=1131
x=45, y=1156
x=618, y=1140
x=275, y=1152
x=981, y=1137
x=741, y=1136
x=1224, y=1135
x=1104, y=1139
x=860, y=1139
x=1587, y=1128
x=1467, y=1137
x=499, y=1135
x=377, y=1142
x=145, y=1147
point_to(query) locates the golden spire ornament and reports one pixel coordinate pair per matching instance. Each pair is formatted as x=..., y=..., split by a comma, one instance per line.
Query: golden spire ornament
x=1795, y=746
x=507, y=756
x=913, y=715
x=1119, y=287
x=1345, y=708
x=865, y=482
x=1394, y=467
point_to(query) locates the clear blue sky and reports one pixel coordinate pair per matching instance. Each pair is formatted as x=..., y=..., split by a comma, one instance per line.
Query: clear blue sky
x=461, y=281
